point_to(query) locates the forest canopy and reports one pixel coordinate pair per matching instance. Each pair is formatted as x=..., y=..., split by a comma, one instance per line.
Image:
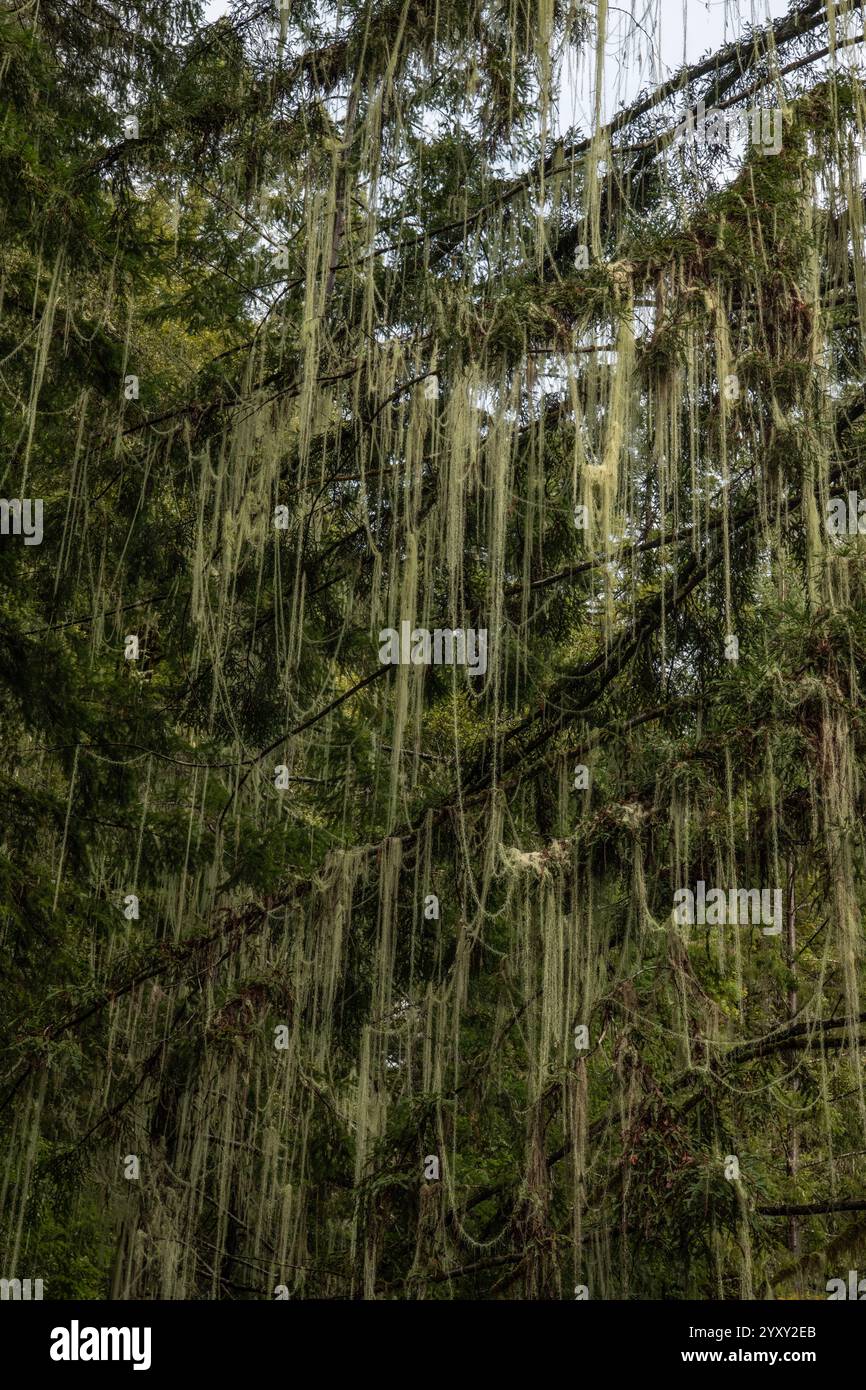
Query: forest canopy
x=432, y=624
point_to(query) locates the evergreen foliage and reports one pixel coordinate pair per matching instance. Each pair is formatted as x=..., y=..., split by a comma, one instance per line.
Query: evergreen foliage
x=312, y=352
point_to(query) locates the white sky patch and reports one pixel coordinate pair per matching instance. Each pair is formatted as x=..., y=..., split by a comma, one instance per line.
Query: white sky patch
x=647, y=44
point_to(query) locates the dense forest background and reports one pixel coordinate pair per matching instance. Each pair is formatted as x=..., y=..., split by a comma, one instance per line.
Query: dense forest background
x=322, y=977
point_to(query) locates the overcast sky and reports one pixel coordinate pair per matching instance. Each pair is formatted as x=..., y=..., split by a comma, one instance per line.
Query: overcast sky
x=648, y=40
